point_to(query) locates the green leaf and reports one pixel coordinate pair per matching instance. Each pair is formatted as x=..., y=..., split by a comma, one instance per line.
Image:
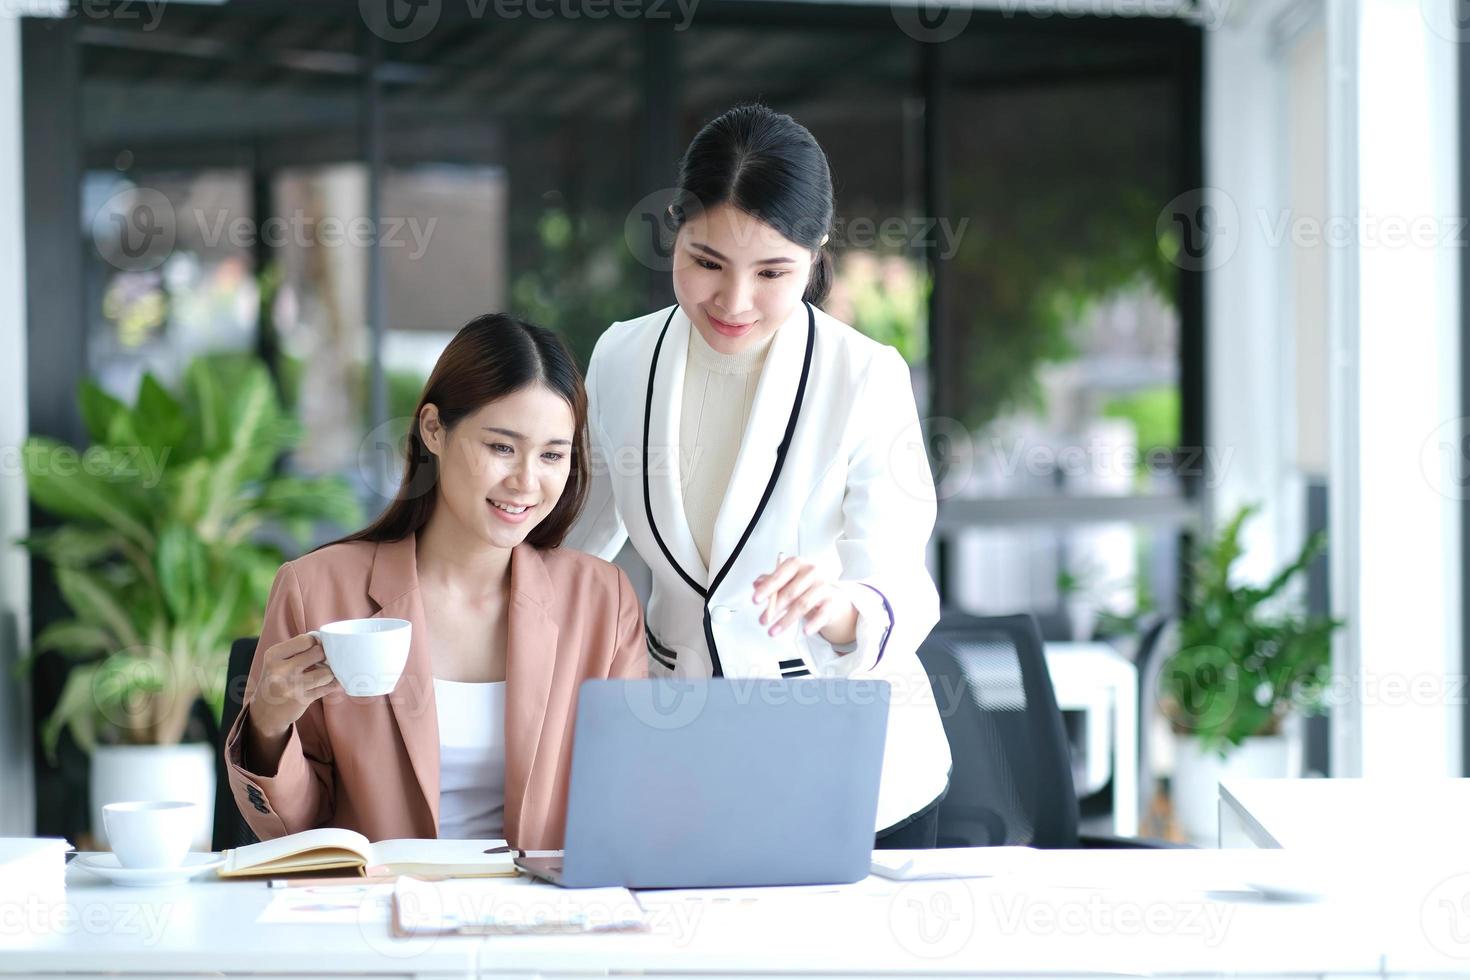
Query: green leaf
x=183, y=569
x=322, y=498
x=208, y=400
x=72, y=546
x=99, y=409
x=187, y=486
x=158, y=419
x=251, y=449
x=94, y=603
x=61, y=484
x=73, y=638
x=77, y=709
x=1247, y=655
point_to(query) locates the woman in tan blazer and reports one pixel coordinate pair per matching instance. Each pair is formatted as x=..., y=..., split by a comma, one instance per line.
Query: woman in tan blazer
x=476, y=738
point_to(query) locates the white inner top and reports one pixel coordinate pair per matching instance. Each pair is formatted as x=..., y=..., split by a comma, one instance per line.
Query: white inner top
x=471, y=759
x=719, y=391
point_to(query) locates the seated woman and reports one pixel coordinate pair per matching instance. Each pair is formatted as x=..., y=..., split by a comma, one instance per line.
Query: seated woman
x=476, y=739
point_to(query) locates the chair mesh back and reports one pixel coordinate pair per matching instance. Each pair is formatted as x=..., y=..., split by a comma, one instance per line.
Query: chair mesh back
x=1012, y=779
x=230, y=828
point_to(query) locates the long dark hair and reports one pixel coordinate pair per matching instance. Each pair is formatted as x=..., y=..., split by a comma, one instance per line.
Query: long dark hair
x=771, y=167
x=492, y=356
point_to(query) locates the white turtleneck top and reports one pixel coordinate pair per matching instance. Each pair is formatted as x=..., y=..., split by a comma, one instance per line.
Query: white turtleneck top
x=719, y=390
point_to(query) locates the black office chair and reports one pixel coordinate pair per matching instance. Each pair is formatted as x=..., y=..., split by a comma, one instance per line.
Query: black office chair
x=1012, y=777
x=1148, y=664
x=230, y=828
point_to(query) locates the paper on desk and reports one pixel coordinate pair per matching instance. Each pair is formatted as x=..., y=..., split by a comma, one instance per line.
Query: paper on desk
x=952, y=862
x=1272, y=873
x=1194, y=871
x=508, y=905
x=329, y=904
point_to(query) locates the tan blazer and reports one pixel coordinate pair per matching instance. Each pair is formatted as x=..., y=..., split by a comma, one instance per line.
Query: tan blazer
x=372, y=764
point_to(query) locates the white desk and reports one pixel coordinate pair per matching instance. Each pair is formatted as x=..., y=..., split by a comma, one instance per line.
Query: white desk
x=1096, y=679
x=1403, y=844
x=1345, y=815
x=1142, y=923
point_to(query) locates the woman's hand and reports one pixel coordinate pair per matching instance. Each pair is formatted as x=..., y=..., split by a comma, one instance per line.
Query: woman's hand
x=293, y=674
x=797, y=592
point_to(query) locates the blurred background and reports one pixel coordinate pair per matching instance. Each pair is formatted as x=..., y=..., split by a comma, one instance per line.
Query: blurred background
x=1178, y=284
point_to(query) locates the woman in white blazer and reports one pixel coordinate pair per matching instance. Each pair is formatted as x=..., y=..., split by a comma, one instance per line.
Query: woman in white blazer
x=765, y=459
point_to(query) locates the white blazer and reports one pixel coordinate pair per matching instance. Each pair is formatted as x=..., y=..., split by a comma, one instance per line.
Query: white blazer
x=831, y=468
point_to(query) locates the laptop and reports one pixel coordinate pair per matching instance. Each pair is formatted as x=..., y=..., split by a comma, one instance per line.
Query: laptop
x=683, y=783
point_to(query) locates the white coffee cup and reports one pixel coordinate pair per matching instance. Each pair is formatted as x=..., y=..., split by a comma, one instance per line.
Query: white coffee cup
x=150, y=834
x=366, y=655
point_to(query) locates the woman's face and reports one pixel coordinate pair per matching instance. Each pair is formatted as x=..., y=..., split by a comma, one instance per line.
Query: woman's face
x=736, y=277
x=502, y=469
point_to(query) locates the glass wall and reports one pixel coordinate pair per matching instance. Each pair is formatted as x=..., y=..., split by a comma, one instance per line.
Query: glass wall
x=1060, y=369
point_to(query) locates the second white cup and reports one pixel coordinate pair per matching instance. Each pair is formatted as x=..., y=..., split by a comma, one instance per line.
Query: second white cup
x=366, y=655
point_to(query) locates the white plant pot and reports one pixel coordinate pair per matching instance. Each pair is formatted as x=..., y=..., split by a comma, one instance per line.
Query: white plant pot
x=1194, y=787
x=122, y=773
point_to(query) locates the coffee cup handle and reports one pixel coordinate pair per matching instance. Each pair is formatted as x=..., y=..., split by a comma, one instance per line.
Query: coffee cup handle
x=316, y=635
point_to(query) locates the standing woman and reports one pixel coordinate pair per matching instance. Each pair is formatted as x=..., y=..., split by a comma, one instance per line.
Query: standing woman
x=765, y=460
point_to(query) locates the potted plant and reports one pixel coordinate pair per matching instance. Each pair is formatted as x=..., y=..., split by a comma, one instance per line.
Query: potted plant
x=162, y=560
x=1247, y=658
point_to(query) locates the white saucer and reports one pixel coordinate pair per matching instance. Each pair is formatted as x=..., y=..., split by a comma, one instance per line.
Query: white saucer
x=108, y=866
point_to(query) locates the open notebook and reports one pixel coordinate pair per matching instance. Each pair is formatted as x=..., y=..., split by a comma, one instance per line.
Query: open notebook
x=333, y=847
